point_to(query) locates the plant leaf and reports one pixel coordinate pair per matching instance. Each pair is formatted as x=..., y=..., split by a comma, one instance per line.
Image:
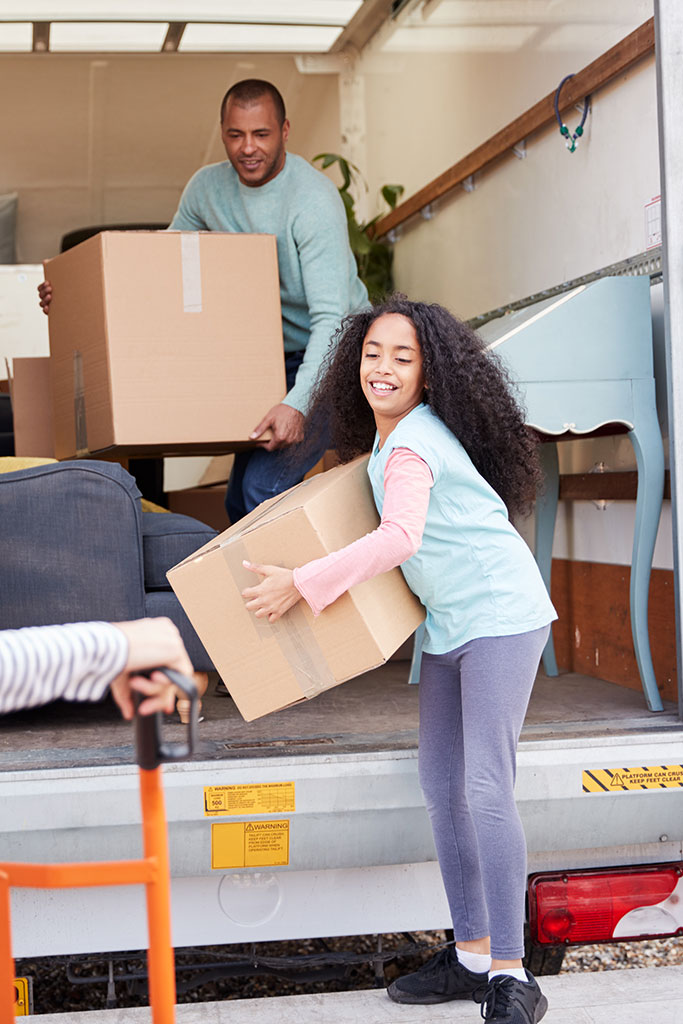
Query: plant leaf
x=327, y=159
x=392, y=194
x=374, y=258
x=348, y=201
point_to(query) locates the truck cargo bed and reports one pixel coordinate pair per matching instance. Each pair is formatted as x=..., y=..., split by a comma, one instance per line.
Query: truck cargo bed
x=377, y=711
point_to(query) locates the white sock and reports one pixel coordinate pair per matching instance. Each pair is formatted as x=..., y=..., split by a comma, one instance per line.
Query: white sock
x=513, y=972
x=477, y=962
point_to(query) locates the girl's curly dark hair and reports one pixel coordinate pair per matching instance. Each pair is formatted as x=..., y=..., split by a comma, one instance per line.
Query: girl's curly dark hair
x=467, y=387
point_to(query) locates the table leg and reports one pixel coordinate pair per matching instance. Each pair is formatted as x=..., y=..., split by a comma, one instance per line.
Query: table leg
x=647, y=443
x=416, y=660
x=546, y=514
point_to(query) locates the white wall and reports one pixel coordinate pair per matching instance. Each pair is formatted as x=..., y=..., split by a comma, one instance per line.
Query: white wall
x=88, y=140
x=530, y=223
x=439, y=86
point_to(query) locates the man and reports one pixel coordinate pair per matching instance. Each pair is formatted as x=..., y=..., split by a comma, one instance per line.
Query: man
x=81, y=660
x=261, y=188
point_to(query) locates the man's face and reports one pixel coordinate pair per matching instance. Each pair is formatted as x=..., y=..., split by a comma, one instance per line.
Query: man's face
x=254, y=141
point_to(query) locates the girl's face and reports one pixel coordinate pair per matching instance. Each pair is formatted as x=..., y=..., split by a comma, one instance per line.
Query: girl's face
x=391, y=375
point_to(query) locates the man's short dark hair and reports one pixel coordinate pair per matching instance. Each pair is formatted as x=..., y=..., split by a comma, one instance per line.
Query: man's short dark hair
x=249, y=90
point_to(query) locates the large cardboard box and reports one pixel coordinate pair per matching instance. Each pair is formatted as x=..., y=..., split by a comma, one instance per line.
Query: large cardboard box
x=270, y=666
x=204, y=503
x=32, y=407
x=164, y=342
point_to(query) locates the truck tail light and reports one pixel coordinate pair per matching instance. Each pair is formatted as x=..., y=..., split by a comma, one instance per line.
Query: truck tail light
x=601, y=906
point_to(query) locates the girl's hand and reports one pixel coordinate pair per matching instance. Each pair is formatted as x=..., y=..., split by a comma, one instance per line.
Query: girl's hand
x=274, y=595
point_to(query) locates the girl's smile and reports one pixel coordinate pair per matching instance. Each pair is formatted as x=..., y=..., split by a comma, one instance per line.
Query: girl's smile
x=391, y=374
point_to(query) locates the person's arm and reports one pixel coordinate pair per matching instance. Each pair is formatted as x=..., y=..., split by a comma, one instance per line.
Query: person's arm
x=328, y=270
x=79, y=661
x=407, y=484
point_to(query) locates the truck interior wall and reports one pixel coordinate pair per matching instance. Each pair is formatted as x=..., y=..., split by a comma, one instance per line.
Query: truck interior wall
x=533, y=223
x=113, y=139
x=530, y=224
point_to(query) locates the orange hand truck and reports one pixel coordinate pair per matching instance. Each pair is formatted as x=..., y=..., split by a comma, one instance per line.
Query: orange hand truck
x=151, y=871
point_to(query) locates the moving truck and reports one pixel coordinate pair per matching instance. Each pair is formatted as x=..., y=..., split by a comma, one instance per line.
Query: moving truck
x=310, y=822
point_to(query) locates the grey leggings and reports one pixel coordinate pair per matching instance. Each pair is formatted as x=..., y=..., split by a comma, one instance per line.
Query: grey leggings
x=472, y=706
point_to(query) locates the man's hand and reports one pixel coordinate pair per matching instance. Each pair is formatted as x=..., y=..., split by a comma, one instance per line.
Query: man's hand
x=45, y=296
x=286, y=424
x=151, y=643
x=274, y=595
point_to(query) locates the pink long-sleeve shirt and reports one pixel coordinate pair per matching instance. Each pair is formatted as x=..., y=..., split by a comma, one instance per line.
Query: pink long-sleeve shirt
x=407, y=483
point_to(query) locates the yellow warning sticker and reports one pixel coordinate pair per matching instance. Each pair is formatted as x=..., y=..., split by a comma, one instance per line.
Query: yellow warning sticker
x=22, y=1006
x=611, y=780
x=262, y=798
x=249, y=844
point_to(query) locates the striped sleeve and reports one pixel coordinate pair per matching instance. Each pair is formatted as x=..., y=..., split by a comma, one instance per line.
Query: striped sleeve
x=77, y=661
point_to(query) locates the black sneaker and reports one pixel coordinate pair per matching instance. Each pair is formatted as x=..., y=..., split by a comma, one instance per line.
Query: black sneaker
x=438, y=981
x=509, y=1001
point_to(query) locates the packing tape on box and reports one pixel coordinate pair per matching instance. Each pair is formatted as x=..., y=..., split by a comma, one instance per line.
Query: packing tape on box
x=192, y=272
x=80, y=423
x=292, y=633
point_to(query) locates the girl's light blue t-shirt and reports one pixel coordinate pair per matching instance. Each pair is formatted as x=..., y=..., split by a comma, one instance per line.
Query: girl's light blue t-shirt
x=473, y=573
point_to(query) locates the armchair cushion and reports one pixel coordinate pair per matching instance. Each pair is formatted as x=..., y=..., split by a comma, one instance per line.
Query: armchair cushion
x=70, y=545
x=71, y=549
x=166, y=540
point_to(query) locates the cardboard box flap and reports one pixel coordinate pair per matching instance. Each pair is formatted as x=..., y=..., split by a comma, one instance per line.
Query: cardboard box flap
x=209, y=591
x=283, y=504
x=401, y=611
x=388, y=609
x=251, y=521
x=218, y=471
x=342, y=507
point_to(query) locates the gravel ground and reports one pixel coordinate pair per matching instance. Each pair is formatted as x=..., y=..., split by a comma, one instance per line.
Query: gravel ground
x=618, y=955
x=53, y=992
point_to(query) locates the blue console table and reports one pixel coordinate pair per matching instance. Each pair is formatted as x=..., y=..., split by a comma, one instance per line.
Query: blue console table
x=583, y=363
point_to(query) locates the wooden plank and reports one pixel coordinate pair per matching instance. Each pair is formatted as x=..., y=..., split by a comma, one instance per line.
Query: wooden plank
x=593, y=633
x=174, y=34
x=603, y=486
x=41, y=36
x=603, y=69
x=367, y=20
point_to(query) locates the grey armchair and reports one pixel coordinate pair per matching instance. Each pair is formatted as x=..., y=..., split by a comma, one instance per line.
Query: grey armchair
x=76, y=545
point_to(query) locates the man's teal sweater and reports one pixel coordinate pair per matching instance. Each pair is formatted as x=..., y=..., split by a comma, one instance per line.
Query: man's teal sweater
x=319, y=284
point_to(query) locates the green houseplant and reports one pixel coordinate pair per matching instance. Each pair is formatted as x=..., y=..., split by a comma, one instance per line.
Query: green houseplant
x=374, y=257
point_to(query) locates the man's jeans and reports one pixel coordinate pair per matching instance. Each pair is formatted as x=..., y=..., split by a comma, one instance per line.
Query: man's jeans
x=257, y=474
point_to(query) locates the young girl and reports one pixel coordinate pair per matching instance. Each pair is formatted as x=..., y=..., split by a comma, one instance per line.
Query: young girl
x=451, y=457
